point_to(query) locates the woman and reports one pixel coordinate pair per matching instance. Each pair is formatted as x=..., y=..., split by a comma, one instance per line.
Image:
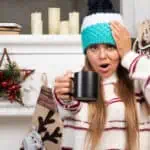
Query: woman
x=120, y=118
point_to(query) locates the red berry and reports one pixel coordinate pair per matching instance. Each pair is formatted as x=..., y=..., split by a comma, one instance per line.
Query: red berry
x=4, y=84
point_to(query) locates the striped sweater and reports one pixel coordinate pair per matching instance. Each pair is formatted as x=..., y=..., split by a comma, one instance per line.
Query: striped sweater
x=75, y=114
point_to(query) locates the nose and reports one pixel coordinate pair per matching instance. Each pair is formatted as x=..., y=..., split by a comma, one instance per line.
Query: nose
x=102, y=53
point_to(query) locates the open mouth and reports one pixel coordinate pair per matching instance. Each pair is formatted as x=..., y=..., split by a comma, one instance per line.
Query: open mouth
x=104, y=65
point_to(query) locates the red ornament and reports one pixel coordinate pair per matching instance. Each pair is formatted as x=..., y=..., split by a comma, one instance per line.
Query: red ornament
x=10, y=82
x=4, y=84
x=18, y=86
x=14, y=87
x=10, y=85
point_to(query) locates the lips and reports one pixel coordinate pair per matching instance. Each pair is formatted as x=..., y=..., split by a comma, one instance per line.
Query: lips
x=104, y=67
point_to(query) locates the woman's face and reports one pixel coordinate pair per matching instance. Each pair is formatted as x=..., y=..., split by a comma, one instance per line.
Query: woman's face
x=104, y=59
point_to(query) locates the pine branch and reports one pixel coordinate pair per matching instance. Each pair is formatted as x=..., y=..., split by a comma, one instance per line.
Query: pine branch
x=10, y=79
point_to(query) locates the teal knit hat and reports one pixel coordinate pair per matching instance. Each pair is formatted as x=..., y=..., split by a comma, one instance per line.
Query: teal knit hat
x=96, y=29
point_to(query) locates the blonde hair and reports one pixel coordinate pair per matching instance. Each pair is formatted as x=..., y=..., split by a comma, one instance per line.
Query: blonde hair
x=142, y=42
x=97, y=111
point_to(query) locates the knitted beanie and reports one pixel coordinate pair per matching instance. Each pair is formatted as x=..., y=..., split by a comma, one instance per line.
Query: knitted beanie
x=96, y=28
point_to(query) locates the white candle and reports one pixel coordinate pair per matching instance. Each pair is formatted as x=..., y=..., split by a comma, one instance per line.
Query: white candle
x=64, y=27
x=36, y=16
x=37, y=27
x=54, y=20
x=36, y=23
x=74, y=23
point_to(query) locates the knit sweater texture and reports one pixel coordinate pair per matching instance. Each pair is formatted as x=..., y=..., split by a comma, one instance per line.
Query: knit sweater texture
x=75, y=113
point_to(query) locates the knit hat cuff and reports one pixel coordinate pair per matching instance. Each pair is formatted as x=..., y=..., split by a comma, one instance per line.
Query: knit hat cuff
x=99, y=33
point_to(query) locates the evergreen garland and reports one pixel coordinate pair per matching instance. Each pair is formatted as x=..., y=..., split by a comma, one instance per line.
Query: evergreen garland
x=10, y=78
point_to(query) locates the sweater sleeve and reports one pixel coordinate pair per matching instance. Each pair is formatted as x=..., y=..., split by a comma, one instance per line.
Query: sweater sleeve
x=68, y=108
x=139, y=70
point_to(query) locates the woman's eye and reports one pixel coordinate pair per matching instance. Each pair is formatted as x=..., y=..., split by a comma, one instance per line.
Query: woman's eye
x=95, y=46
x=110, y=48
x=94, y=49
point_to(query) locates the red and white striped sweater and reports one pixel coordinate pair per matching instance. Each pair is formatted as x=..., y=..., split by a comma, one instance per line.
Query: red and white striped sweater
x=75, y=113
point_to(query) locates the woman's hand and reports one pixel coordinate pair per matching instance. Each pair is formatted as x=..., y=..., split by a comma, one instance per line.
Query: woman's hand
x=63, y=86
x=122, y=38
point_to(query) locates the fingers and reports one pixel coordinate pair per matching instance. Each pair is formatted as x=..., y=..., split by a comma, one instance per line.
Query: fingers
x=61, y=82
x=115, y=31
x=121, y=37
x=119, y=31
x=115, y=34
x=64, y=97
x=117, y=27
x=69, y=74
x=62, y=90
x=63, y=86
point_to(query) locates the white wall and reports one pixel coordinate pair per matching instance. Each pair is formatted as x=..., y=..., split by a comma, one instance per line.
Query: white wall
x=12, y=131
x=127, y=9
x=142, y=11
x=135, y=11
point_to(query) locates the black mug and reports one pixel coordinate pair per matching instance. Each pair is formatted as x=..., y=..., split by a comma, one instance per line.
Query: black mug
x=85, y=86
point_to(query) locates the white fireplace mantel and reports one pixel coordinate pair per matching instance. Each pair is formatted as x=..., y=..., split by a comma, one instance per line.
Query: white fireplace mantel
x=41, y=43
x=52, y=54
x=15, y=110
x=39, y=39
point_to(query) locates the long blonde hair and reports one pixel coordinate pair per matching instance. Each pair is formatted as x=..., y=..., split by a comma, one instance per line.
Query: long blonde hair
x=97, y=111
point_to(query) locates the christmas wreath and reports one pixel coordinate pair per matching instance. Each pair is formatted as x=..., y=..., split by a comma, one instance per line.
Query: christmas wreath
x=11, y=77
